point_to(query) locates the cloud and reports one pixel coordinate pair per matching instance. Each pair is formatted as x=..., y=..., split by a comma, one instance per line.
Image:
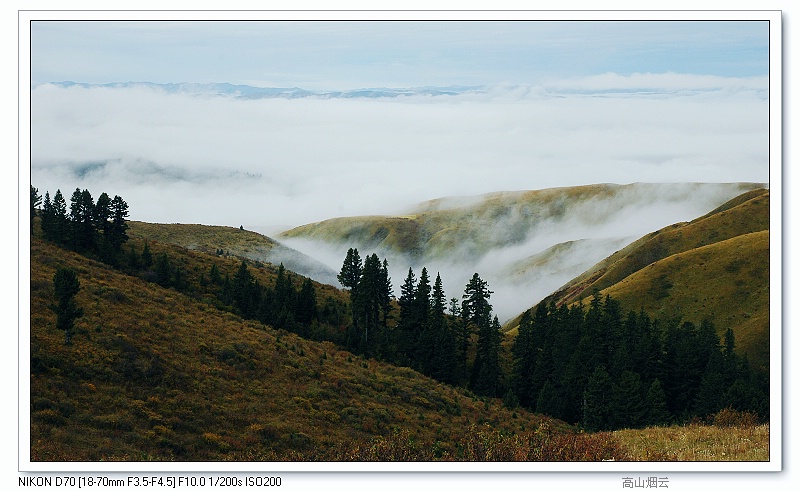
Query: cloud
x=283, y=162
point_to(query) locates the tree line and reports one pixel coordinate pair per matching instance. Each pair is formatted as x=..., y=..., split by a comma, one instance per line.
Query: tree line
x=591, y=365
x=608, y=370
x=98, y=228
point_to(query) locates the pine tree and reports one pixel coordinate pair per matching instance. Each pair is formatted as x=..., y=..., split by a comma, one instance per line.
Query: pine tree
x=147, y=256
x=66, y=287
x=405, y=323
x=656, y=405
x=445, y=358
x=628, y=406
x=524, y=362
x=36, y=200
x=385, y=292
x=420, y=334
x=307, y=303
x=163, y=270
x=475, y=308
x=101, y=218
x=59, y=229
x=350, y=277
x=596, y=398
x=82, y=221
x=369, y=302
x=119, y=226
x=47, y=217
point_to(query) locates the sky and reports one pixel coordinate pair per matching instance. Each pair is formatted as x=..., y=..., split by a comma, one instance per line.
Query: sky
x=347, y=55
x=561, y=104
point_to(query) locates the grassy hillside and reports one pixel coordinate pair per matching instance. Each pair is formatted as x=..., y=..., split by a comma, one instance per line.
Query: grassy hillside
x=714, y=267
x=153, y=374
x=235, y=242
x=734, y=275
x=742, y=215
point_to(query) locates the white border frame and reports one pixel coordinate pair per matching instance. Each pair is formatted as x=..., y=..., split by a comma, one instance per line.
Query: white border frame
x=776, y=240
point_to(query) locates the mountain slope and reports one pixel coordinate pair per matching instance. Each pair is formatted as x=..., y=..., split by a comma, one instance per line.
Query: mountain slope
x=520, y=242
x=153, y=374
x=714, y=267
x=236, y=242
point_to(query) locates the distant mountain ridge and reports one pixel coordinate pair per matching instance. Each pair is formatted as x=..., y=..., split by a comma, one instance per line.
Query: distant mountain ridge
x=249, y=92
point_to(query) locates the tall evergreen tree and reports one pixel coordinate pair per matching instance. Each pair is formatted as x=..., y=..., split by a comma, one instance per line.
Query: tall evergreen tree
x=385, y=292
x=66, y=285
x=369, y=302
x=596, y=401
x=117, y=232
x=656, y=405
x=36, y=200
x=420, y=335
x=475, y=308
x=405, y=323
x=445, y=357
x=307, y=303
x=82, y=221
x=524, y=362
x=47, y=216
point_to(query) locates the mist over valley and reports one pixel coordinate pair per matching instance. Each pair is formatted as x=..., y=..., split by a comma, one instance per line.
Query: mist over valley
x=526, y=244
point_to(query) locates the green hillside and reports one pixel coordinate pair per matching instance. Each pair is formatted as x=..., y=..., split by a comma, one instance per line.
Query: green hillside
x=154, y=374
x=714, y=267
x=726, y=282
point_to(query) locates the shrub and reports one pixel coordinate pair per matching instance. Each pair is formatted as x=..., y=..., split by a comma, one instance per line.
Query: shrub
x=729, y=417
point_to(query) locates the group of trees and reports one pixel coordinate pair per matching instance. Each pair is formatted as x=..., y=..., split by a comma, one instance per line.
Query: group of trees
x=606, y=370
x=429, y=333
x=88, y=226
x=590, y=365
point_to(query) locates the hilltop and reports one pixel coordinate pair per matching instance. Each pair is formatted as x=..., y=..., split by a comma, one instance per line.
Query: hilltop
x=235, y=242
x=715, y=267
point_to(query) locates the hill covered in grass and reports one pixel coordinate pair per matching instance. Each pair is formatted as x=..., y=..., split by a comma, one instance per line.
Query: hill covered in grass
x=715, y=267
x=233, y=241
x=155, y=374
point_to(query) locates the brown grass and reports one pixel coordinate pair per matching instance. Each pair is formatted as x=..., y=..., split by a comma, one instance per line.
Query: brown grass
x=696, y=443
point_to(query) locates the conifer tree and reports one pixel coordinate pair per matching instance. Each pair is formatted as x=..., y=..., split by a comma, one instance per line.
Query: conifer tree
x=405, y=323
x=147, y=256
x=475, y=308
x=47, y=217
x=66, y=286
x=307, y=303
x=36, y=200
x=445, y=358
x=59, y=228
x=596, y=401
x=119, y=226
x=82, y=221
x=524, y=362
x=420, y=335
x=656, y=405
